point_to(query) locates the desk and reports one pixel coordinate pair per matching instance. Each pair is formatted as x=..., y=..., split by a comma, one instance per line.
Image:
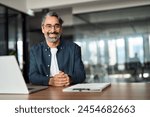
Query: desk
x=118, y=91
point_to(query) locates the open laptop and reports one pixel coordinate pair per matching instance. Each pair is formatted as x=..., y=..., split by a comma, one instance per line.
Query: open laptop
x=11, y=79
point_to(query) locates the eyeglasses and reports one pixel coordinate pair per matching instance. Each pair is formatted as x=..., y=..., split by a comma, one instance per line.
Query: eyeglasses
x=49, y=26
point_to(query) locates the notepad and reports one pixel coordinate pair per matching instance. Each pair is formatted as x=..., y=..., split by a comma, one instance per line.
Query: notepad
x=87, y=87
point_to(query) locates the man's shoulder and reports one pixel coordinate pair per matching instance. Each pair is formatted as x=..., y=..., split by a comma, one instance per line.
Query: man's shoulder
x=37, y=46
x=71, y=44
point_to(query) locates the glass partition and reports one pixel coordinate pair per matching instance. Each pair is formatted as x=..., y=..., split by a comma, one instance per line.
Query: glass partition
x=13, y=36
x=113, y=39
x=3, y=42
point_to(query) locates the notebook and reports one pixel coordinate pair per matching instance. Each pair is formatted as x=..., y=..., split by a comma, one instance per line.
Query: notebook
x=11, y=79
x=87, y=87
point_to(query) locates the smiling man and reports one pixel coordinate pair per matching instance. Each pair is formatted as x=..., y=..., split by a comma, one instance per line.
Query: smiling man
x=55, y=61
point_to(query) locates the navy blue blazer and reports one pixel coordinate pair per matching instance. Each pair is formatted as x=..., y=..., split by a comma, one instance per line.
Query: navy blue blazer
x=68, y=57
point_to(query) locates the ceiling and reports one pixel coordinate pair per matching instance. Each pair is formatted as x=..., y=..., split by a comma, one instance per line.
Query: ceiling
x=77, y=6
x=90, y=11
x=83, y=6
x=108, y=16
x=117, y=15
x=83, y=11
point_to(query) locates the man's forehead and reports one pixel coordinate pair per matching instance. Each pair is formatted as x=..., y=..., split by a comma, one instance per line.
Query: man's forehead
x=52, y=19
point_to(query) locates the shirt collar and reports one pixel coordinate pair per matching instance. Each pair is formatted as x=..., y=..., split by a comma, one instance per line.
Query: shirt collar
x=60, y=46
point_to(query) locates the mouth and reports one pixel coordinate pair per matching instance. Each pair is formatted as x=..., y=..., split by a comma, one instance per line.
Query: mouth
x=52, y=33
x=53, y=36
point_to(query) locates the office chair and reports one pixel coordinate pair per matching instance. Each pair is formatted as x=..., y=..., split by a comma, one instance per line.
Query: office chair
x=134, y=68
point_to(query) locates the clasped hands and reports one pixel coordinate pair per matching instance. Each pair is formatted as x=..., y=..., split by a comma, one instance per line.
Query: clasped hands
x=60, y=79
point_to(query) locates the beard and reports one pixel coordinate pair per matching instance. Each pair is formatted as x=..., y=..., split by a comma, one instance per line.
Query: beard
x=53, y=39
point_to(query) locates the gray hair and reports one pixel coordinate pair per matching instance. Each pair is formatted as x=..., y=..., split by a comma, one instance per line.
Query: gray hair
x=50, y=13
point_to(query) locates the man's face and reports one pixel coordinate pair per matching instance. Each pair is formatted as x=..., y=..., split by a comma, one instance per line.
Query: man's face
x=51, y=29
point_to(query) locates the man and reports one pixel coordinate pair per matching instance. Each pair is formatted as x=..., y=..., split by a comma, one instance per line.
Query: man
x=60, y=69
x=136, y=66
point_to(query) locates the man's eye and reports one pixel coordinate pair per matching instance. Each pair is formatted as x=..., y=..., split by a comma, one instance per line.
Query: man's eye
x=49, y=26
x=57, y=26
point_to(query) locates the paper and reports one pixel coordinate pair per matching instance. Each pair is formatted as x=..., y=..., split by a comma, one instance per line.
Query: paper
x=87, y=87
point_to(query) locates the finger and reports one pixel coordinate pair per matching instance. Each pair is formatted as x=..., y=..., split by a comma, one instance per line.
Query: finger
x=61, y=73
x=67, y=77
x=58, y=83
x=67, y=84
x=61, y=80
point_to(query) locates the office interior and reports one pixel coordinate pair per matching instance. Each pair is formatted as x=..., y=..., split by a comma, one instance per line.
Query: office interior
x=115, y=41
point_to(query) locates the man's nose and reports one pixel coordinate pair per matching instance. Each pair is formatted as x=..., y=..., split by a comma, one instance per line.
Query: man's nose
x=52, y=29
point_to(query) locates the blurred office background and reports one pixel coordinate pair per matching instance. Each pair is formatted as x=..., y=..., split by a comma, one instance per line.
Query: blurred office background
x=114, y=34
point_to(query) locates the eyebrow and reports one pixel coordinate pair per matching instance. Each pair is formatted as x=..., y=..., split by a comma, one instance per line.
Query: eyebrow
x=54, y=24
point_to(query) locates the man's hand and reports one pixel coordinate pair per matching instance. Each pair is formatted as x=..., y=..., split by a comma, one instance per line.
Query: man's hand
x=60, y=79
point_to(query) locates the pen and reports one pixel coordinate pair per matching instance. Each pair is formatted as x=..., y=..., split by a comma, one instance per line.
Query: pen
x=81, y=89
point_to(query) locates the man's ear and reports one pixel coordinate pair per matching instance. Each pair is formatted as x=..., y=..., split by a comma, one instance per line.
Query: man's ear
x=42, y=28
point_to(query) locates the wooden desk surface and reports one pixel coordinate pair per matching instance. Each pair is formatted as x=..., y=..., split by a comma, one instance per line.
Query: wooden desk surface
x=118, y=91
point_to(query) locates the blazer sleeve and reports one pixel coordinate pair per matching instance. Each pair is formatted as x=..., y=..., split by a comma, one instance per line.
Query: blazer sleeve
x=35, y=76
x=78, y=73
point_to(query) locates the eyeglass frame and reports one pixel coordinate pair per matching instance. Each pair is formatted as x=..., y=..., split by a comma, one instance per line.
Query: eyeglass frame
x=49, y=26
